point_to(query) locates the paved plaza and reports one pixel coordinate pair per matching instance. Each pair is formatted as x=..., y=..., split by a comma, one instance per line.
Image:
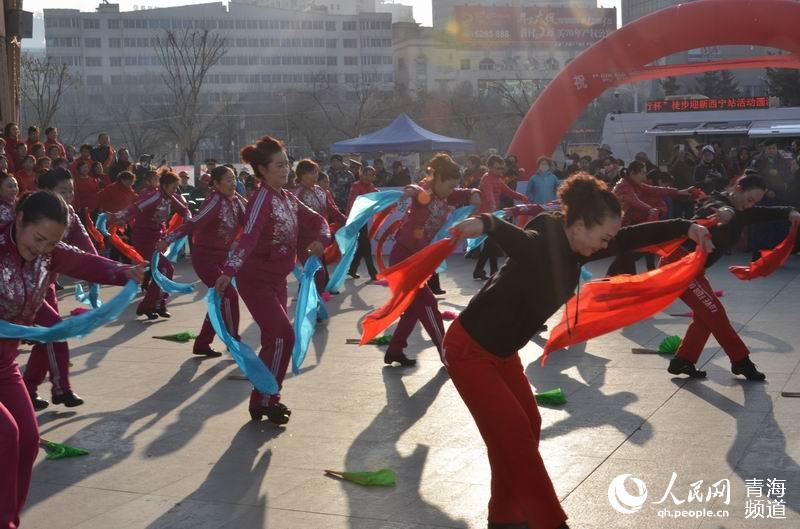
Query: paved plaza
x=172, y=445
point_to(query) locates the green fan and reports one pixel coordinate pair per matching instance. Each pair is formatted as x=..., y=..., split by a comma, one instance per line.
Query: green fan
x=61, y=451
x=669, y=345
x=554, y=397
x=381, y=340
x=384, y=477
x=181, y=337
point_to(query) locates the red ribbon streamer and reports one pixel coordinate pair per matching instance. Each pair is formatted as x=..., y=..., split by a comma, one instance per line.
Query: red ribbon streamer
x=770, y=260
x=94, y=232
x=405, y=279
x=391, y=230
x=379, y=220
x=611, y=303
x=124, y=248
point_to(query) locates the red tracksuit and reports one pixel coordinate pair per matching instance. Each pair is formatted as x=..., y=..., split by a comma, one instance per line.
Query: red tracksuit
x=420, y=225
x=364, y=248
x=149, y=215
x=321, y=201
x=277, y=223
x=87, y=193
x=26, y=180
x=213, y=230
x=54, y=357
x=24, y=286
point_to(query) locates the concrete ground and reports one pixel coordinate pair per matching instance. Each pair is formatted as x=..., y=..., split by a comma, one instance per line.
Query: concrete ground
x=172, y=445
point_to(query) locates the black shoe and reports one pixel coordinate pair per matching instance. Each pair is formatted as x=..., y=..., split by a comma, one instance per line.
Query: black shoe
x=517, y=525
x=480, y=277
x=151, y=314
x=70, y=399
x=209, y=352
x=747, y=368
x=276, y=413
x=542, y=329
x=681, y=366
x=38, y=403
x=439, y=292
x=163, y=313
x=373, y=278
x=400, y=358
x=353, y=275
x=59, y=286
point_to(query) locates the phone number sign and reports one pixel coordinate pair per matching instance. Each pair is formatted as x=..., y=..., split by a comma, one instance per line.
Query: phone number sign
x=694, y=105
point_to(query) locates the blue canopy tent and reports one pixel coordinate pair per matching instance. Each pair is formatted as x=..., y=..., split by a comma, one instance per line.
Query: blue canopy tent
x=402, y=135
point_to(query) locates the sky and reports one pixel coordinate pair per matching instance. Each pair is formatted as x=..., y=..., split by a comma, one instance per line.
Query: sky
x=422, y=8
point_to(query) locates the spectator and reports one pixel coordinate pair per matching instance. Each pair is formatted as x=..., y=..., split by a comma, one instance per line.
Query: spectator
x=11, y=137
x=85, y=155
x=71, y=153
x=641, y=156
x=26, y=175
x=512, y=169
x=43, y=165
x=54, y=151
x=473, y=172
x=33, y=138
x=118, y=195
x=59, y=162
x=572, y=165
x=709, y=175
x=401, y=176
x=743, y=160
x=141, y=169
x=251, y=186
x=211, y=163
x=340, y=181
x=240, y=182
x=773, y=168
x=543, y=185
x=381, y=174
x=104, y=152
x=4, y=164
x=37, y=150
x=198, y=195
x=722, y=158
x=19, y=154
x=603, y=153
x=123, y=163
x=184, y=187
x=87, y=189
x=585, y=163
x=99, y=174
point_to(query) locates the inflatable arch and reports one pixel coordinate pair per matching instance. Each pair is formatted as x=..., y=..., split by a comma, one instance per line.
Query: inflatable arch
x=623, y=56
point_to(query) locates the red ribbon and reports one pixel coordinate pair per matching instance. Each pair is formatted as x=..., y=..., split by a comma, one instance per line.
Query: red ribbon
x=124, y=248
x=94, y=232
x=391, y=230
x=770, y=260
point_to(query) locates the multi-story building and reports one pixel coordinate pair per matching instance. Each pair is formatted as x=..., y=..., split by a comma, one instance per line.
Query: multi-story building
x=399, y=12
x=443, y=10
x=751, y=82
x=269, y=52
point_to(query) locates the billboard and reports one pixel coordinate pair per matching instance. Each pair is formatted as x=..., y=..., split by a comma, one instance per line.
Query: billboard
x=543, y=26
x=716, y=103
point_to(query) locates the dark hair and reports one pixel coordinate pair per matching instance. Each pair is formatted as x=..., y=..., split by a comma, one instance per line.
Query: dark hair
x=494, y=159
x=443, y=167
x=125, y=175
x=323, y=176
x=4, y=175
x=219, y=172
x=81, y=163
x=541, y=159
x=7, y=128
x=37, y=146
x=52, y=146
x=48, y=130
x=40, y=205
x=474, y=158
x=50, y=179
x=751, y=180
x=584, y=197
x=304, y=167
x=32, y=128
x=634, y=167
x=94, y=166
x=86, y=146
x=336, y=157
x=58, y=160
x=168, y=177
x=261, y=152
x=101, y=135
x=231, y=167
x=22, y=144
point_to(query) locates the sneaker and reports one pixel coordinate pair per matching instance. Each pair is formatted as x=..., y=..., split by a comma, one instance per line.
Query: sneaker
x=480, y=277
x=207, y=351
x=439, y=292
x=746, y=367
x=38, y=402
x=163, y=313
x=151, y=314
x=276, y=413
x=391, y=357
x=354, y=275
x=681, y=366
x=69, y=399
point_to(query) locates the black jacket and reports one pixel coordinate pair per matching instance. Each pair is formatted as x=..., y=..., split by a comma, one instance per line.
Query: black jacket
x=541, y=273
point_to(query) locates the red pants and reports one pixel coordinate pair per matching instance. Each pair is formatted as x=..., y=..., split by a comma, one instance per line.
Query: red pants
x=19, y=437
x=145, y=244
x=424, y=309
x=501, y=401
x=709, y=317
x=209, y=268
x=266, y=301
x=48, y=357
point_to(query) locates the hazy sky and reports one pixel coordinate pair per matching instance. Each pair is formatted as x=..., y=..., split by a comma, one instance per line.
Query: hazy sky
x=422, y=8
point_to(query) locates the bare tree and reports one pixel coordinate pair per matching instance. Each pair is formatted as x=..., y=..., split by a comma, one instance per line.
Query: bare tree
x=137, y=133
x=348, y=111
x=186, y=58
x=43, y=86
x=517, y=94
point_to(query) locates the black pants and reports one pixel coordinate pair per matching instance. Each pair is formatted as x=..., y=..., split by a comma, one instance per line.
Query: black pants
x=626, y=263
x=363, y=251
x=489, y=252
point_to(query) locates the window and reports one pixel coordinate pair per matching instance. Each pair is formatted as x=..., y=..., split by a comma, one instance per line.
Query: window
x=466, y=64
x=351, y=78
x=94, y=61
x=486, y=64
x=330, y=43
x=114, y=43
x=351, y=61
x=89, y=23
x=116, y=80
x=113, y=23
x=349, y=25
x=94, y=80
x=350, y=43
x=115, y=61
x=330, y=26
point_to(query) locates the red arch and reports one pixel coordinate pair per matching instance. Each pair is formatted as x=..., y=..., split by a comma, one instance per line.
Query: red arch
x=622, y=57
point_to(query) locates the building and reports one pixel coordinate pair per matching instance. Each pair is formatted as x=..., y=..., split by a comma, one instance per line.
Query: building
x=751, y=82
x=399, y=12
x=443, y=10
x=270, y=52
x=520, y=47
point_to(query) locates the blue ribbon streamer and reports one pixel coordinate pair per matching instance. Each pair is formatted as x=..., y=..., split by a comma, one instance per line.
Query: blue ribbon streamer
x=175, y=248
x=91, y=298
x=164, y=283
x=305, y=313
x=75, y=326
x=477, y=241
x=102, y=224
x=251, y=365
x=454, y=218
x=364, y=208
x=585, y=274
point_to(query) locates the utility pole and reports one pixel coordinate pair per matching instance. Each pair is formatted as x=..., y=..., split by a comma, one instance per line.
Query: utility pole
x=11, y=15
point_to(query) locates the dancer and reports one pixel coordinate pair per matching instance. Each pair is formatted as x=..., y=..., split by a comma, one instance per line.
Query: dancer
x=277, y=224
x=540, y=274
x=366, y=177
x=53, y=358
x=733, y=211
x=492, y=188
x=320, y=200
x=30, y=251
x=214, y=230
x=8, y=198
x=150, y=213
x=432, y=201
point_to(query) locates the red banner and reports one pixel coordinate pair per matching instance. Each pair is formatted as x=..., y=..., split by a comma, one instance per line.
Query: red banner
x=543, y=26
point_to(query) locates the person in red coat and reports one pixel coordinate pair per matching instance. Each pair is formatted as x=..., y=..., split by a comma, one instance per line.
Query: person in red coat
x=85, y=155
x=119, y=195
x=86, y=189
x=26, y=176
x=52, y=141
x=11, y=137
x=33, y=138
x=365, y=185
